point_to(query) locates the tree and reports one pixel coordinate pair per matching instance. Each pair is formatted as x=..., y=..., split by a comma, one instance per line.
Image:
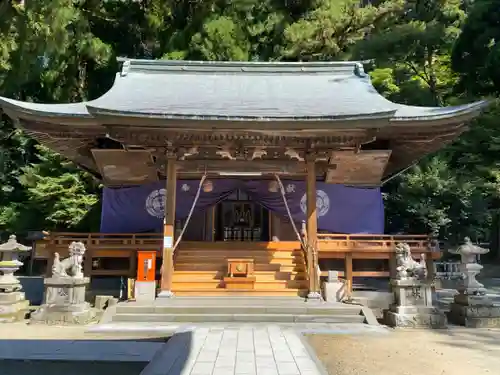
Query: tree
x=432, y=198
x=412, y=47
x=332, y=28
x=49, y=55
x=476, y=53
x=64, y=51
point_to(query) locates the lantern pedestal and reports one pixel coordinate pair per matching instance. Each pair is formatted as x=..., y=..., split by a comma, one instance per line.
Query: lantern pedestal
x=471, y=307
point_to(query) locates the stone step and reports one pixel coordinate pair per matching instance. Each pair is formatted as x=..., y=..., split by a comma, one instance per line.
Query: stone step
x=216, y=301
x=262, y=318
x=216, y=292
x=235, y=309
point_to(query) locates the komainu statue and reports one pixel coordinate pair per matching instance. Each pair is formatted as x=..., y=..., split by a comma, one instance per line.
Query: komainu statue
x=71, y=266
x=406, y=266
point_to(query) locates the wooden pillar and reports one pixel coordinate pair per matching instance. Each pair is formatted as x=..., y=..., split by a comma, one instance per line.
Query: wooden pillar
x=50, y=251
x=87, y=261
x=168, y=230
x=348, y=273
x=312, y=228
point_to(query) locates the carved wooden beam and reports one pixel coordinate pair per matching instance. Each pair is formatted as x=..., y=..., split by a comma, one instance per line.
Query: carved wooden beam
x=275, y=166
x=64, y=131
x=154, y=137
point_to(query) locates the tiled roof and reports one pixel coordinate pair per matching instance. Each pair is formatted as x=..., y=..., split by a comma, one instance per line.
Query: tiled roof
x=238, y=91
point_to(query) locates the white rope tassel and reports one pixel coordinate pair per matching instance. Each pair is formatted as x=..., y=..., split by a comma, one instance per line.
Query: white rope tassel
x=282, y=190
x=197, y=196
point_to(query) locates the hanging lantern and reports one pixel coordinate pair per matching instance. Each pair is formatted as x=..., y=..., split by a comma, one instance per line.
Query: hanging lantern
x=208, y=186
x=273, y=187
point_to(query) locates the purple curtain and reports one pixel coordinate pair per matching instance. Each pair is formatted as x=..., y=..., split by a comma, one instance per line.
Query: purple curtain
x=340, y=209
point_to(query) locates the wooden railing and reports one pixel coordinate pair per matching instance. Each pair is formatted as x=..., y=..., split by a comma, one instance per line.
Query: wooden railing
x=99, y=245
x=329, y=246
x=371, y=243
x=368, y=246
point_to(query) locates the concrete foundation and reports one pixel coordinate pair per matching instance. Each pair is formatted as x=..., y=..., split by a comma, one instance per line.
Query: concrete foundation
x=474, y=312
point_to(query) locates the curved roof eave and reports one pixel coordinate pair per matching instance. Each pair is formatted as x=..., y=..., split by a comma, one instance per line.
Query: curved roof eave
x=240, y=92
x=412, y=113
x=97, y=112
x=19, y=108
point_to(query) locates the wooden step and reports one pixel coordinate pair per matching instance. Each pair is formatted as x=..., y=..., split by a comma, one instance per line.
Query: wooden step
x=276, y=267
x=259, y=260
x=198, y=284
x=258, y=285
x=200, y=272
x=241, y=253
x=218, y=275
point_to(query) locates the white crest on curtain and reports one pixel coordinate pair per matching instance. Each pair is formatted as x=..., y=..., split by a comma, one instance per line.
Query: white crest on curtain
x=322, y=203
x=155, y=203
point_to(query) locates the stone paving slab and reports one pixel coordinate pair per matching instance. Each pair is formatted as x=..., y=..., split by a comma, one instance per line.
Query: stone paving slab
x=245, y=349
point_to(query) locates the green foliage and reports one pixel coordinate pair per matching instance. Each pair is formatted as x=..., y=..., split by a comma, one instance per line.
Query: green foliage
x=331, y=28
x=433, y=198
x=415, y=42
x=220, y=39
x=476, y=54
x=56, y=194
x=64, y=51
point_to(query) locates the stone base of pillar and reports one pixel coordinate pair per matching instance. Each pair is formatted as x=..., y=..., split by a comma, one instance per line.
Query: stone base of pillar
x=403, y=317
x=145, y=291
x=474, y=311
x=13, y=307
x=165, y=294
x=314, y=296
x=334, y=291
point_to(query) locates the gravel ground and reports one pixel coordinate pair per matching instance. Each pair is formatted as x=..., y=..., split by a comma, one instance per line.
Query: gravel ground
x=456, y=351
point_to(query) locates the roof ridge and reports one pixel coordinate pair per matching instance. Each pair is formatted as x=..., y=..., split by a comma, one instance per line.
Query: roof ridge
x=180, y=66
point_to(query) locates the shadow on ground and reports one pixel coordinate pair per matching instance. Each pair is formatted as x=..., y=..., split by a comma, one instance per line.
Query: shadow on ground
x=93, y=357
x=480, y=339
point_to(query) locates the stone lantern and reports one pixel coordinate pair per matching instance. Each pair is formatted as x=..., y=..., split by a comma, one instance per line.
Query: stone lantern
x=471, y=307
x=13, y=304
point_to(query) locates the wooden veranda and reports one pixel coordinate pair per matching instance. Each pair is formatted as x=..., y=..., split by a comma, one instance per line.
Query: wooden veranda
x=106, y=249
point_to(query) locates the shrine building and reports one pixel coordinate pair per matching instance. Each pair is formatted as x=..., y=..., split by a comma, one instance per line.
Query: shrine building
x=271, y=170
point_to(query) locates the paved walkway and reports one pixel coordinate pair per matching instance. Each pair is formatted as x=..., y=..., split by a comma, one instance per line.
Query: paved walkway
x=265, y=350
x=196, y=349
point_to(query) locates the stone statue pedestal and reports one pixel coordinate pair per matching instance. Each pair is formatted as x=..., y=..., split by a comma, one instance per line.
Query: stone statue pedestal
x=64, y=302
x=413, y=306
